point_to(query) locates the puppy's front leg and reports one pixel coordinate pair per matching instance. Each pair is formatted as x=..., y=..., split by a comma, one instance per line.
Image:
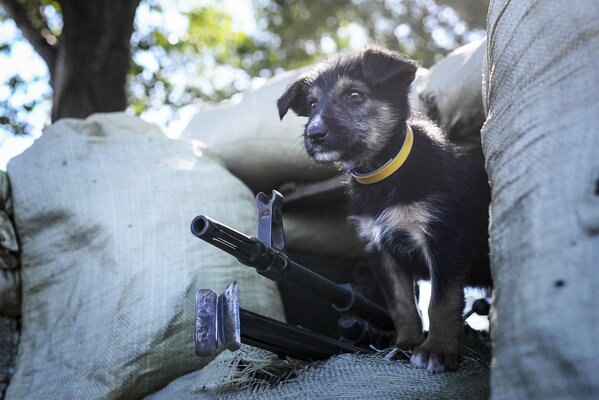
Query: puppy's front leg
x=398, y=287
x=439, y=352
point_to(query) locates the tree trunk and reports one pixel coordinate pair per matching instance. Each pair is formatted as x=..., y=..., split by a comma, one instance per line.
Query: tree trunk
x=90, y=71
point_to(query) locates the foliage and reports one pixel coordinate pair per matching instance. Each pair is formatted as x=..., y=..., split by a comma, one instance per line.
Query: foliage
x=424, y=29
x=210, y=47
x=23, y=94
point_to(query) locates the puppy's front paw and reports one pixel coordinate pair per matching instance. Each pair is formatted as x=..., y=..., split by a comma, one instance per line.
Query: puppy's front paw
x=434, y=361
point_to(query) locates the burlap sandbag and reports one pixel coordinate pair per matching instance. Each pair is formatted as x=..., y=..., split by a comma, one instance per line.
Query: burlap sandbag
x=109, y=267
x=10, y=288
x=9, y=339
x=450, y=94
x=541, y=142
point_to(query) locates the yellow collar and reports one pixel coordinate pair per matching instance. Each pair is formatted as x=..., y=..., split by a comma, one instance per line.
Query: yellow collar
x=391, y=166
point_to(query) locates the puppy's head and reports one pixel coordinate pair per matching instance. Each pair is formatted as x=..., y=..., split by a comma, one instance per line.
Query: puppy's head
x=354, y=103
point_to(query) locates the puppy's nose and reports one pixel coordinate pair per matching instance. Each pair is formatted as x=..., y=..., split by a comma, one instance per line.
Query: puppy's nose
x=316, y=134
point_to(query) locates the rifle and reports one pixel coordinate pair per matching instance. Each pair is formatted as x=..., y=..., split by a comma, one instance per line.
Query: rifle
x=220, y=320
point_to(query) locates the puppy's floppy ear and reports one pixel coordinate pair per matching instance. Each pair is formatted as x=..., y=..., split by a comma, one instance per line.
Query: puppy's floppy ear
x=382, y=66
x=294, y=98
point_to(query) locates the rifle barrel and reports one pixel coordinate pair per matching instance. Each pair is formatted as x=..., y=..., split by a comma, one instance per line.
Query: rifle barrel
x=275, y=265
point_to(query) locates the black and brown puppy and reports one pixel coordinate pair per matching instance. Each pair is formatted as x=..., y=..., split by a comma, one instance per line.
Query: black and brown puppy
x=419, y=204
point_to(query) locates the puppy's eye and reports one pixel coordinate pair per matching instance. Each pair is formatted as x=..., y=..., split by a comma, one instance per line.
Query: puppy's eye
x=313, y=104
x=355, y=95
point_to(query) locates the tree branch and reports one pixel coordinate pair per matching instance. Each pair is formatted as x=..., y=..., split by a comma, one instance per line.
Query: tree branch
x=36, y=36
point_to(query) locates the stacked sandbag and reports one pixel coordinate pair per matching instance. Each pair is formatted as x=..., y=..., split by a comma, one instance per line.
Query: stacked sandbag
x=10, y=302
x=541, y=142
x=10, y=290
x=450, y=93
x=109, y=267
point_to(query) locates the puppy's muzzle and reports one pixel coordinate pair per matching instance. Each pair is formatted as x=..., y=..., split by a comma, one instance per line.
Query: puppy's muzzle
x=316, y=133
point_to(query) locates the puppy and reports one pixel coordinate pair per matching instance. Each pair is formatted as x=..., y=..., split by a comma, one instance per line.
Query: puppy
x=420, y=205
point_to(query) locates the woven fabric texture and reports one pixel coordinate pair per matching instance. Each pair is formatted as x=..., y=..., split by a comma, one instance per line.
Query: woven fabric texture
x=10, y=287
x=450, y=94
x=541, y=142
x=254, y=374
x=110, y=269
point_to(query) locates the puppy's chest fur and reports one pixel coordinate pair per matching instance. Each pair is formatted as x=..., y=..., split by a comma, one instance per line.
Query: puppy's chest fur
x=402, y=230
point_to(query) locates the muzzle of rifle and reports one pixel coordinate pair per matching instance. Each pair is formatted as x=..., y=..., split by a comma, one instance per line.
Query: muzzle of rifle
x=248, y=250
